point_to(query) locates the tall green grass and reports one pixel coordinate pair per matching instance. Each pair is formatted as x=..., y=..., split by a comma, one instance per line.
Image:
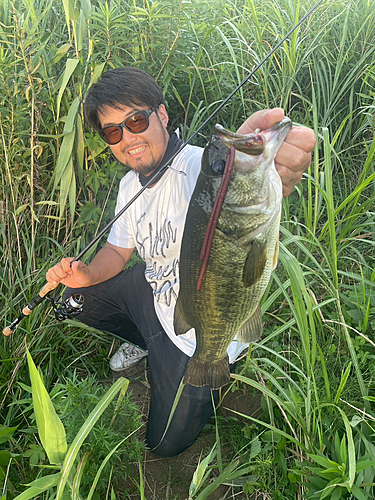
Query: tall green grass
x=315, y=365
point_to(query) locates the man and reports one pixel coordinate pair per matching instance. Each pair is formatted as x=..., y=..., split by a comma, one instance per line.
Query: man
x=126, y=107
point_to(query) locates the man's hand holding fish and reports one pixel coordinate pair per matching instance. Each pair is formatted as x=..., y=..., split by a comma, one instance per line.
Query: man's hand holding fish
x=294, y=156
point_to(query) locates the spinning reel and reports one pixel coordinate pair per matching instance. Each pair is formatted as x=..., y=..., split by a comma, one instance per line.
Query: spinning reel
x=68, y=308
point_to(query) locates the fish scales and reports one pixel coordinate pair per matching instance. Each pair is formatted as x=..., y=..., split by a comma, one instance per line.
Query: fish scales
x=243, y=253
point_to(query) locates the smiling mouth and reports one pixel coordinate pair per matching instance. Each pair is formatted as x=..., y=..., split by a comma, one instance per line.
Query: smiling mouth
x=136, y=150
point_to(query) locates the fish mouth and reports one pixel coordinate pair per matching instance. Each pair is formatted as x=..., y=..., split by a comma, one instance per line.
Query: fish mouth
x=254, y=143
x=278, y=132
x=285, y=122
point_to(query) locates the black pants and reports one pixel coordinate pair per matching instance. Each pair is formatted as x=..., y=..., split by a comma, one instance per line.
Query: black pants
x=124, y=306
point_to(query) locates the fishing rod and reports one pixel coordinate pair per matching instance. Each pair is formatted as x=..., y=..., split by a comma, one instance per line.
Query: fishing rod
x=74, y=304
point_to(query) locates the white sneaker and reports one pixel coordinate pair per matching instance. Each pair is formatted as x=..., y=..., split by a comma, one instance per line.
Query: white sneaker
x=126, y=356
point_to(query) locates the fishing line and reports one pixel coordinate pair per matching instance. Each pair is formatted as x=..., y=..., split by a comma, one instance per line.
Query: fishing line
x=49, y=286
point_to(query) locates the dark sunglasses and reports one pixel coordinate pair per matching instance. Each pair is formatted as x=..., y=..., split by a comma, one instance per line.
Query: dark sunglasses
x=135, y=124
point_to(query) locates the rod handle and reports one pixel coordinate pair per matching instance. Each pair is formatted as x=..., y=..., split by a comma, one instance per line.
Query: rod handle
x=48, y=287
x=7, y=332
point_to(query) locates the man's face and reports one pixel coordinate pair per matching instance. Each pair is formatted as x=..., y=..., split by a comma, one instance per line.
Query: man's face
x=141, y=152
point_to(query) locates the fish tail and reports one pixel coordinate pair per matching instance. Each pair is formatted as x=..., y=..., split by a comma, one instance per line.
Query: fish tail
x=214, y=374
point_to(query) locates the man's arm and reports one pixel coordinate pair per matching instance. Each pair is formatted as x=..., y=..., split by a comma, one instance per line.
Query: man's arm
x=294, y=156
x=107, y=263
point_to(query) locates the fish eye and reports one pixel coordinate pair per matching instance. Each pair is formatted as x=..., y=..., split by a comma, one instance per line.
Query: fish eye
x=218, y=166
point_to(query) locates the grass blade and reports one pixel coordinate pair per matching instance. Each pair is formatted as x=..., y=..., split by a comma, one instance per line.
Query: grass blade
x=50, y=428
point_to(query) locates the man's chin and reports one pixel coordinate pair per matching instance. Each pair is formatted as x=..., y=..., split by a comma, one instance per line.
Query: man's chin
x=146, y=171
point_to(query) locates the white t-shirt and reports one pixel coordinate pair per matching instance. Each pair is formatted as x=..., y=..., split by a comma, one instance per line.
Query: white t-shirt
x=154, y=224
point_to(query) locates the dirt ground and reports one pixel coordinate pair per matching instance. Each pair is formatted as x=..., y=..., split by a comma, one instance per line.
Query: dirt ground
x=170, y=478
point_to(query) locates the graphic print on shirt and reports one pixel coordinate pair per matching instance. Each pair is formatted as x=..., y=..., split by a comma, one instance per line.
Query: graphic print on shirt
x=162, y=278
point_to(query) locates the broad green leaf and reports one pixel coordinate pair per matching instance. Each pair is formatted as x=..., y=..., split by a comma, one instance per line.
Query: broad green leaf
x=323, y=461
x=64, y=158
x=39, y=485
x=70, y=122
x=328, y=490
x=6, y=433
x=25, y=387
x=239, y=478
x=30, y=9
x=71, y=12
x=358, y=493
x=97, y=73
x=71, y=65
x=200, y=472
x=64, y=174
x=343, y=381
x=350, y=448
x=364, y=464
x=86, y=7
x=22, y=208
x=66, y=4
x=256, y=447
x=46, y=202
x=343, y=450
x=67, y=145
x=60, y=53
x=120, y=400
x=222, y=478
x=79, y=146
x=301, y=306
x=72, y=195
x=5, y=457
x=50, y=428
x=65, y=184
x=337, y=494
x=81, y=33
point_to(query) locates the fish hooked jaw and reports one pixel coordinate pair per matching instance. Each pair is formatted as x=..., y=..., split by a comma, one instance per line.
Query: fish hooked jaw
x=260, y=142
x=276, y=135
x=251, y=144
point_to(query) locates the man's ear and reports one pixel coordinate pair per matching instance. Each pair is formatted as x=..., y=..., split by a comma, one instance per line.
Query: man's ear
x=163, y=115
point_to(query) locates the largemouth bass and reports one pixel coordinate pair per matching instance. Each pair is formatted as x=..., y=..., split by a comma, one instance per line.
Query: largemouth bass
x=244, y=249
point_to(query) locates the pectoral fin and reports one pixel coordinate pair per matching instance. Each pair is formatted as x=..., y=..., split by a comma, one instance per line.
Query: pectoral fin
x=180, y=323
x=251, y=331
x=255, y=263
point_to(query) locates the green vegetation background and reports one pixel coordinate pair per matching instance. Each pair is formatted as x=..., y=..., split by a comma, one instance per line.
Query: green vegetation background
x=315, y=364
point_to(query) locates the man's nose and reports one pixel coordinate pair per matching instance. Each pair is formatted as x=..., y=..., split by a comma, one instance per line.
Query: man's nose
x=127, y=137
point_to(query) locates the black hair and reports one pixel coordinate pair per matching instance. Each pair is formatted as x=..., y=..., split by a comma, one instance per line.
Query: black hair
x=126, y=86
